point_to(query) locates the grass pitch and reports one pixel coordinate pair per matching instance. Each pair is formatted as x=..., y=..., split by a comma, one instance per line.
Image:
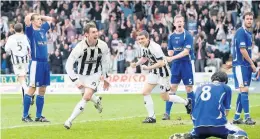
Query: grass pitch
x=121, y=119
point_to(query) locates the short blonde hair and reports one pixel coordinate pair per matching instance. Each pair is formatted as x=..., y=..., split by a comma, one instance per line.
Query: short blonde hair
x=88, y=26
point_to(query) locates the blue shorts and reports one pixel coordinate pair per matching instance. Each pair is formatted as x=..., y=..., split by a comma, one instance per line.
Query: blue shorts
x=220, y=131
x=182, y=70
x=39, y=74
x=242, y=76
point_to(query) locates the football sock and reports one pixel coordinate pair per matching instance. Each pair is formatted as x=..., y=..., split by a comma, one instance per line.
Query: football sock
x=192, y=97
x=148, y=102
x=78, y=109
x=94, y=98
x=177, y=99
x=245, y=104
x=168, y=105
x=238, y=107
x=26, y=105
x=39, y=105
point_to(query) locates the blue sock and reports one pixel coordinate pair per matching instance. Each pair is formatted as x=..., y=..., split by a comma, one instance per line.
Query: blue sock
x=39, y=105
x=26, y=105
x=192, y=97
x=245, y=104
x=168, y=107
x=238, y=107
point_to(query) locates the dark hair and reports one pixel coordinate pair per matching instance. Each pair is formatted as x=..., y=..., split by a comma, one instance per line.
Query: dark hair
x=88, y=26
x=143, y=32
x=18, y=27
x=220, y=76
x=248, y=13
x=33, y=16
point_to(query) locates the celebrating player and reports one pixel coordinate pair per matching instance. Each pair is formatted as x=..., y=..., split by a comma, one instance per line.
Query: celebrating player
x=211, y=110
x=92, y=55
x=18, y=47
x=39, y=70
x=159, y=74
x=180, y=50
x=243, y=67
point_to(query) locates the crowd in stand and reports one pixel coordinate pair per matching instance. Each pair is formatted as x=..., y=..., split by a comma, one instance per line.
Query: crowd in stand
x=212, y=24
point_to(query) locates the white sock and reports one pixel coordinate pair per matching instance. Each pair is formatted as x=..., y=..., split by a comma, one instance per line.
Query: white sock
x=24, y=86
x=177, y=99
x=94, y=98
x=148, y=102
x=78, y=109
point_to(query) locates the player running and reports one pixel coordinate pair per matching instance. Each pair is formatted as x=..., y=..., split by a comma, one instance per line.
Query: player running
x=39, y=70
x=210, y=111
x=243, y=67
x=180, y=50
x=92, y=54
x=159, y=74
x=18, y=47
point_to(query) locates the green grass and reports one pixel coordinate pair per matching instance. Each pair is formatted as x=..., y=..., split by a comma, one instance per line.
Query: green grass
x=121, y=119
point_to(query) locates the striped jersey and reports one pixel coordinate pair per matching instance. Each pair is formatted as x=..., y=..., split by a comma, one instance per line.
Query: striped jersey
x=18, y=47
x=154, y=53
x=91, y=59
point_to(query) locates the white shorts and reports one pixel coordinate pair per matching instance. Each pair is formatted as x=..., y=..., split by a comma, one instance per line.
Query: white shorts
x=164, y=82
x=20, y=69
x=91, y=81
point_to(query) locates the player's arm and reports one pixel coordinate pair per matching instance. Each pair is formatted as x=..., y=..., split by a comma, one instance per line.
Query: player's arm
x=73, y=57
x=27, y=19
x=227, y=99
x=105, y=61
x=246, y=56
x=186, y=51
x=8, y=45
x=170, y=47
x=47, y=19
x=159, y=55
x=141, y=61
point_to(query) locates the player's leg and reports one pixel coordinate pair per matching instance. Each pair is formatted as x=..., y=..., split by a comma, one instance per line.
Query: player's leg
x=28, y=96
x=21, y=80
x=151, y=82
x=175, y=80
x=42, y=80
x=243, y=75
x=79, y=108
x=237, y=119
x=235, y=132
x=187, y=78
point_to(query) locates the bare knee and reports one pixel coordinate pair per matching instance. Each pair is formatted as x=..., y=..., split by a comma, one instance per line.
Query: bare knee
x=31, y=91
x=42, y=91
x=174, y=87
x=88, y=94
x=189, y=89
x=243, y=89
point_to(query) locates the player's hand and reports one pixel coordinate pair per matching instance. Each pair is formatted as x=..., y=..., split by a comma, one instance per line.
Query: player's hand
x=133, y=65
x=144, y=67
x=169, y=59
x=253, y=67
x=80, y=85
x=106, y=85
x=228, y=65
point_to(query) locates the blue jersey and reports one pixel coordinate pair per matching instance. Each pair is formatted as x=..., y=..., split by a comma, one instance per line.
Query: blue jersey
x=177, y=43
x=211, y=101
x=242, y=39
x=38, y=41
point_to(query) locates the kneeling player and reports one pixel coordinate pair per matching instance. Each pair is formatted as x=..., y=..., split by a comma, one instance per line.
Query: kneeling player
x=210, y=112
x=93, y=56
x=159, y=74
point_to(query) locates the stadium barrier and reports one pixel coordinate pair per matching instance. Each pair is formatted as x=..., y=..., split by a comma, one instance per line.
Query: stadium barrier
x=120, y=84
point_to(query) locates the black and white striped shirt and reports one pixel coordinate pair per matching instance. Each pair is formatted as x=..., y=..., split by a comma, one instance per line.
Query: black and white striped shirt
x=18, y=47
x=91, y=59
x=154, y=53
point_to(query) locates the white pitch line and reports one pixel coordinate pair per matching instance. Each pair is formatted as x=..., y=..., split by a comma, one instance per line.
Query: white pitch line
x=84, y=121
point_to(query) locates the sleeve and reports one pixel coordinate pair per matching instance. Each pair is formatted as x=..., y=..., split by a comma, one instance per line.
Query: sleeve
x=105, y=60
x=29, y=31
x=188, y=41
x=10, y=42
x=228, y=97
x=73, y=57
x=158, y=53
x=46, y=26
x=170, y=47
x=241, y=39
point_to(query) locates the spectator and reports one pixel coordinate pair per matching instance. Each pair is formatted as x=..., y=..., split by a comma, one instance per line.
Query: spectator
x=224, y=49
x=56, y=63
x=120, y=57
x=200, y=53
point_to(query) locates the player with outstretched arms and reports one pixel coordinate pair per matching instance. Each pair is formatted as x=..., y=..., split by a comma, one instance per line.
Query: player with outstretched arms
x=212, y=105
x=92, y=54
x=180, y=51
x=243, y=67
x=159, y=73
x=39, y=70
x=18, y=47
